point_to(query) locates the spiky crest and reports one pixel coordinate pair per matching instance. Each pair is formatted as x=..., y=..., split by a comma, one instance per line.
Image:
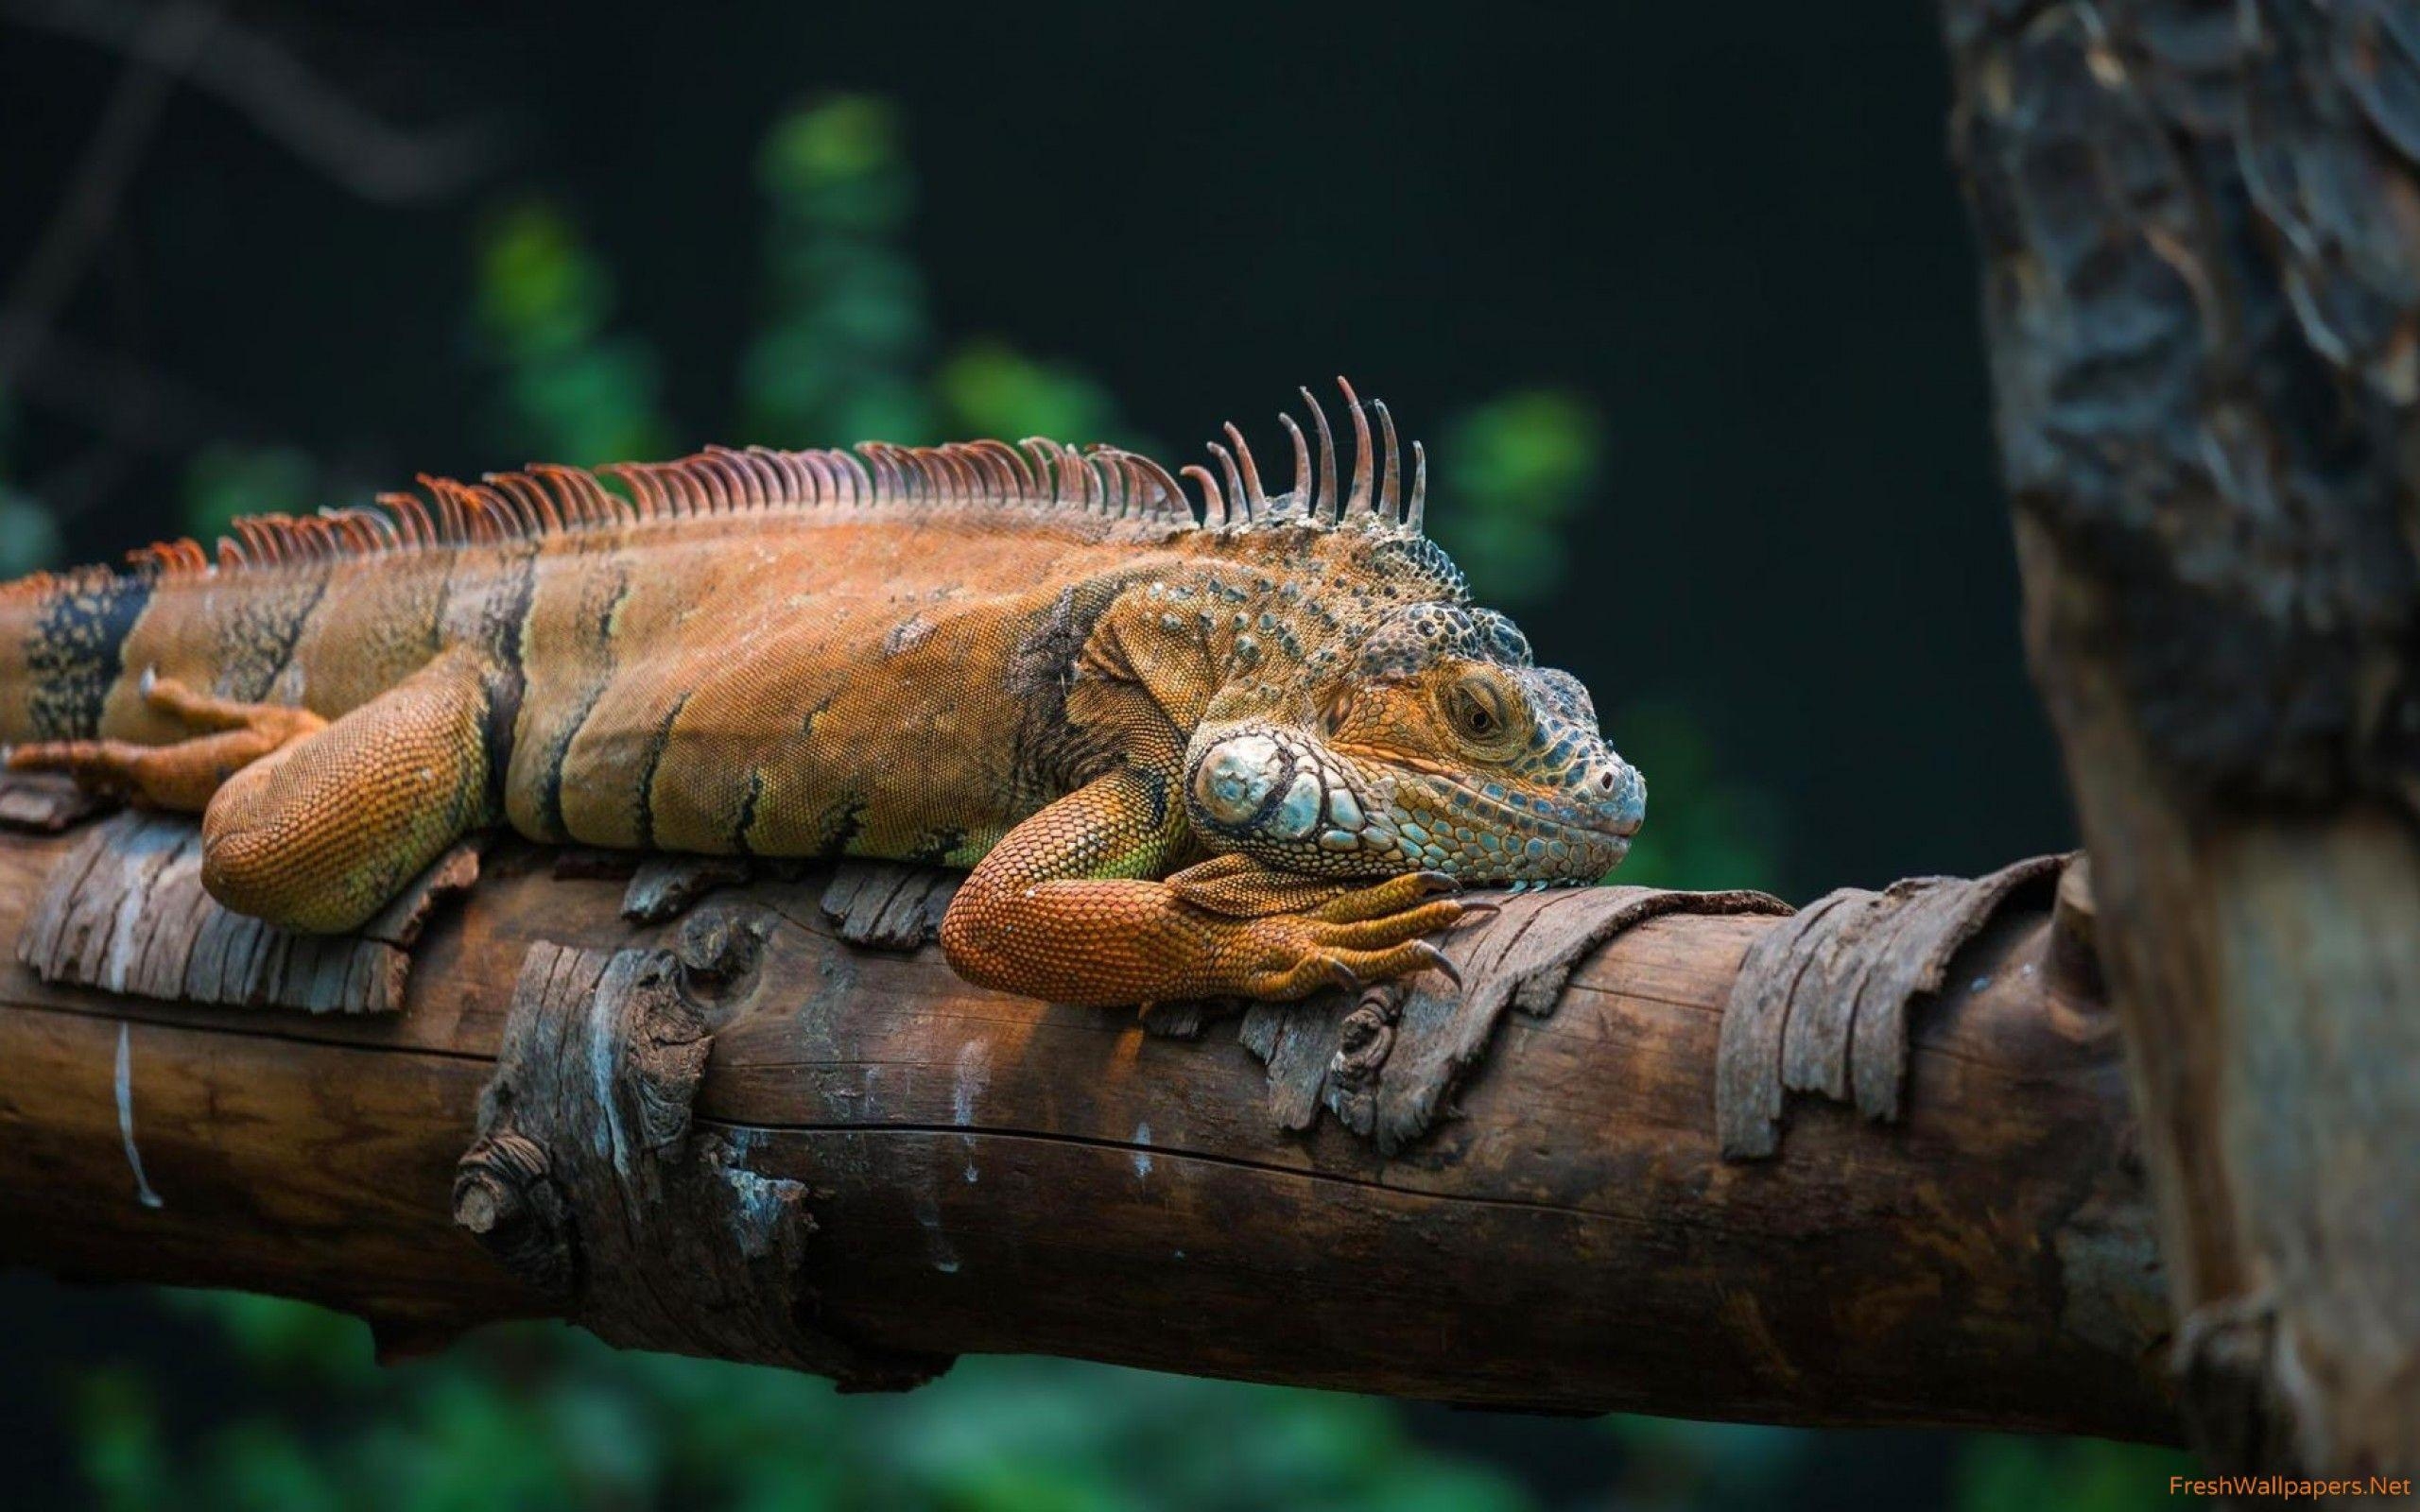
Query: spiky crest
x=1037, y=475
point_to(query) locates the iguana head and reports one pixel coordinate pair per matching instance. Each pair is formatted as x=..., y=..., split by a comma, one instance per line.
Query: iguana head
x=1438, y=745
x=1375, y=722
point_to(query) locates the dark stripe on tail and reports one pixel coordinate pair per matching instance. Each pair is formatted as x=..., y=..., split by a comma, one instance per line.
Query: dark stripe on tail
x=646, y=773
x=747, y=803
x=77, y=652
x=257, y=637
x=841, y=824
x=595, y=652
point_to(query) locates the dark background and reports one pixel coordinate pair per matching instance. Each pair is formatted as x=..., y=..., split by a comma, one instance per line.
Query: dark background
x=1728, y=233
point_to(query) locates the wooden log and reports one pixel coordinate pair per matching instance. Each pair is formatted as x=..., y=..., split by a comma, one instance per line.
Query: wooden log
x=882, y=1167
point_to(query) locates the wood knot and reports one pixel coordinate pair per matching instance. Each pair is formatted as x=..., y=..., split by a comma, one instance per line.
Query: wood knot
x=1366, y=1037
x=717, y=949
x=505, y=1198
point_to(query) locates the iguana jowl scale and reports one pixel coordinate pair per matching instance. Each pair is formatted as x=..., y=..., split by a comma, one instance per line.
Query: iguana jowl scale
x=1243, y=751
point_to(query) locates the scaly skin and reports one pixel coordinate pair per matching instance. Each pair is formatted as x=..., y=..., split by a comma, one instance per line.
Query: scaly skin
x=1247, y=755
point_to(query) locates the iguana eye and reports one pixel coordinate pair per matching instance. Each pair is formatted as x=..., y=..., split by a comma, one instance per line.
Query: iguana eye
x=1477, y=709
x=1335, y=709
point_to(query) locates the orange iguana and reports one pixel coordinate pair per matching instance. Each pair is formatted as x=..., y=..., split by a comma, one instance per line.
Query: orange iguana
x=1244, y=754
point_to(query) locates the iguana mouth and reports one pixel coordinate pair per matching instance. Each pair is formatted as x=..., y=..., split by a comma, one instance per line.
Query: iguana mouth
x=1560, y=817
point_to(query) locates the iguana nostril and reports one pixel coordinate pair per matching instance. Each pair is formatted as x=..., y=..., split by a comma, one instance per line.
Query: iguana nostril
x=1625, y=797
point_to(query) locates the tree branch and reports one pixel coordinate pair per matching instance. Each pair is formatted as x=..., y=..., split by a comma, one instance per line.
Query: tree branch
x=734, y=1133
x=292, y=106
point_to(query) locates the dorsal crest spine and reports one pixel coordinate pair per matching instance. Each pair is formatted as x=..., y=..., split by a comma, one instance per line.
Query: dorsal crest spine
x=1036, y=474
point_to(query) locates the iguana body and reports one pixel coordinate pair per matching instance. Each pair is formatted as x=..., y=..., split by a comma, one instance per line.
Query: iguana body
x=1184, y=759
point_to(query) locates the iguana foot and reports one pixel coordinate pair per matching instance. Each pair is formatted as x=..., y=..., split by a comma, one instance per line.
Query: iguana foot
x=1323, y=931
x=1308, y=953
x=181, y=775
x=1114, y=942
x=1030, y=920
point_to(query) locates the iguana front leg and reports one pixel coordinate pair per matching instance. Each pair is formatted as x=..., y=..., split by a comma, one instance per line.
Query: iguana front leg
x=306, y=824
x=1064, y=908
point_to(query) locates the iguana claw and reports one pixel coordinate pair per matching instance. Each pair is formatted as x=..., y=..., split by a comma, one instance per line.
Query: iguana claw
x=1438, y=961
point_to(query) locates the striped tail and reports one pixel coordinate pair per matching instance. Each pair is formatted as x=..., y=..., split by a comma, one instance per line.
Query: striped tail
x=62, y=636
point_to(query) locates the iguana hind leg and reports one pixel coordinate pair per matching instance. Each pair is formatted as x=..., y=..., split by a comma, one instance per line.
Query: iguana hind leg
x=307, y=824
x=1064, y=908
x=181, y=775
x=318, y=835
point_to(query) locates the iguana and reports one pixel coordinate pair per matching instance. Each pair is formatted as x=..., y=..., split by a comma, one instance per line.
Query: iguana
x=1247, y=746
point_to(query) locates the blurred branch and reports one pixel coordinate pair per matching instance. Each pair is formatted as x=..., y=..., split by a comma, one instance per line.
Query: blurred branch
x=162, y=43
x=739, y=1135
x=310, y=117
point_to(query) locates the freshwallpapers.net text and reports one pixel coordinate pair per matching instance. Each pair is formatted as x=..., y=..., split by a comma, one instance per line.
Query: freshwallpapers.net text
x=2288, y=1487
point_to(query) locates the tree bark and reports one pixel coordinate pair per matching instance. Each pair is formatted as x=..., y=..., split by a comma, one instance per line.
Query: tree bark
x=2201, y=230
x=734, y=1134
